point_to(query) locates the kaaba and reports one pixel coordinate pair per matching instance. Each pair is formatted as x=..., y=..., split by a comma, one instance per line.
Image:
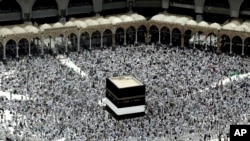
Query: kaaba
x=125, y=97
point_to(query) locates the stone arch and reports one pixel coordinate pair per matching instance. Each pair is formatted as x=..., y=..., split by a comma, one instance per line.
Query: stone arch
x=124, y=28
x=141, y=25
x=119, y=36
x=85, y=31
x=225, y=43
x=84, y=40
x=237, y=45
x=107, y=38
x=73, y=3
x=72, y=42
x=187, y=37
x=189, y=2
x=211, y=33
x=177, y=27
x=199, y=39
x=46, y=35
x=96, y=39
x=245, y=6
x=11, y=48
x=216, y=3
x=211, y=41
x=44, y=4
x=40, y=8
x=199, y=32
x=59, y=34
x=154, y=32
x=60, y=43
x=130, y=35
x=10, y=6
x=23, y=45
x=176, y=37
x=141, y=34
x=165, y=35
x=130, y=26
x=23, y=39
x=35, y=45
x=247, y=47
x=49, y=44
x=71, y=33
x=110, y=1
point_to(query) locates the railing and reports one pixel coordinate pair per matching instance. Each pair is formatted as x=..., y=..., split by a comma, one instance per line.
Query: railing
x=112, y=1
x=81, y=9
x=44, y=7
x=10, y=16
x=116, y=5
x=9, y=10
x=44, y=13
x=146, y=3
x=190, y=2
x=216, y=4
x=79, y=4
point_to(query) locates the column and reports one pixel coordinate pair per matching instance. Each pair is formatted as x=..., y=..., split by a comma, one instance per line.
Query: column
x=125, y=42
x=113, y=40
x=170, y=32
x=50, y=42
x=90, y=43
x=243, y=49
x=136, y=37
x=130, y=5
x=101, y=40
x=62, y=40
x=42, y=48
x=54, y=44
x=218, y=46
x=211, y=40
x=159, y=37
x=4, y=51
x=66, y=45
x=78, y=43
x=199, y=35
x=199, y=17
x=29, y=50
x=235, y=7
x=74, y=39
x=182, y=40
x=17, y=55
x=194, y=41
x=231, y=47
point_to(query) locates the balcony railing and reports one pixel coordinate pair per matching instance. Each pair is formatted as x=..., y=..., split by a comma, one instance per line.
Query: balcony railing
x=11, y=16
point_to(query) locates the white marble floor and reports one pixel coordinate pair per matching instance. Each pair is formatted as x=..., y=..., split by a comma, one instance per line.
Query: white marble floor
x=67, y=62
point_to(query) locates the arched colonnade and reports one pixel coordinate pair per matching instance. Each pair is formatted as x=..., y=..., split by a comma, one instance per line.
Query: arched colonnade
x=73, y=38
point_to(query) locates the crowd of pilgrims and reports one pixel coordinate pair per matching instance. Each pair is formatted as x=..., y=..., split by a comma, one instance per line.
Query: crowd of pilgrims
x=184, y=95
